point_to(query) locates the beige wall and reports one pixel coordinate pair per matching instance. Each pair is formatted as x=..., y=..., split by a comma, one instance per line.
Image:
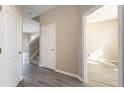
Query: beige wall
x=37, y=18
x=103, y=36
x=68, y=21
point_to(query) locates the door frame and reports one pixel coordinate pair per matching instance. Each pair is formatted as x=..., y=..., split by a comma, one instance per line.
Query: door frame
x=120, y=44
x=20, y=43
x=40, y=63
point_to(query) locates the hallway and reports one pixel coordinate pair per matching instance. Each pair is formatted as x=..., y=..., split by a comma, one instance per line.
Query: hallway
x=43, y=77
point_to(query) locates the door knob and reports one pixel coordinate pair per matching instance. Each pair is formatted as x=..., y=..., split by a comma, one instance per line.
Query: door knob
x=53, y=49
x=20, y=52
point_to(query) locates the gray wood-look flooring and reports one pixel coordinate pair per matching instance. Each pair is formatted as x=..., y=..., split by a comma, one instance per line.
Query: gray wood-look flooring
x=99, y=75
x=43, y=77
x=102, y=74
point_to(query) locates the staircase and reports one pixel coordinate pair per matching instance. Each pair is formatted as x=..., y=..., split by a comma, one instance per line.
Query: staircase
x=35, y=60
x=34, y=52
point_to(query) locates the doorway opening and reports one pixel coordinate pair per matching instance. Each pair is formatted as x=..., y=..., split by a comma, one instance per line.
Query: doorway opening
x=101, y=47
x=30, y=41
x=30, y=48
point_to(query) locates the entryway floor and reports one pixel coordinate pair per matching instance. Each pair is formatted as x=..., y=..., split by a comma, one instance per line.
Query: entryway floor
x=43, y=77
x=102, y=74
x=35, y=76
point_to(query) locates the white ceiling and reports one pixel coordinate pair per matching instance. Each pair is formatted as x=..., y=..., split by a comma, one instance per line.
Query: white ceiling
x=103, y=14
x=30, y=26
x=30, y=11
x=35, y=10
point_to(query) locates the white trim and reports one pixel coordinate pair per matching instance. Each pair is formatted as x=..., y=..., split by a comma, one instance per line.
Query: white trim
x=33, y=55
x=21, y=78
x=40, y=65
x=17, y=11
x=105, y=60
x=20, y=43
x=10, y=9
x=84, y=64
x=121, y=45
x=79, y=78
x=69, y=74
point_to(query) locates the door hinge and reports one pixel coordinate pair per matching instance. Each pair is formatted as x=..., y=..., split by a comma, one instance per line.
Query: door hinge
x=0, y=7
x=0, y=51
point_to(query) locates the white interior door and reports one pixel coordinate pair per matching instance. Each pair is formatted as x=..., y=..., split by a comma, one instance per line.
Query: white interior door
x=10, y=46
x=48, y=46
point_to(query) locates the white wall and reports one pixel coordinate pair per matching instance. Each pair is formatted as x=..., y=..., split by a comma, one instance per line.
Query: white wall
x=25, y=41
x=30, y=25
x=102, y=40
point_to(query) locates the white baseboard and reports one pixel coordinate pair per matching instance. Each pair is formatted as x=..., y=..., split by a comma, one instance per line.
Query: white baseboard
x=105, y=60
x=34, y=54
x=21, y=78
x=40, y=65
x=79, y=78
x=66, y=73
x=69, y=74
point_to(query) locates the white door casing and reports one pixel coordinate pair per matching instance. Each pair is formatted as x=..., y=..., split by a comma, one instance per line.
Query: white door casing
x=84, y=63
x=120, y=45
x=48, y=46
